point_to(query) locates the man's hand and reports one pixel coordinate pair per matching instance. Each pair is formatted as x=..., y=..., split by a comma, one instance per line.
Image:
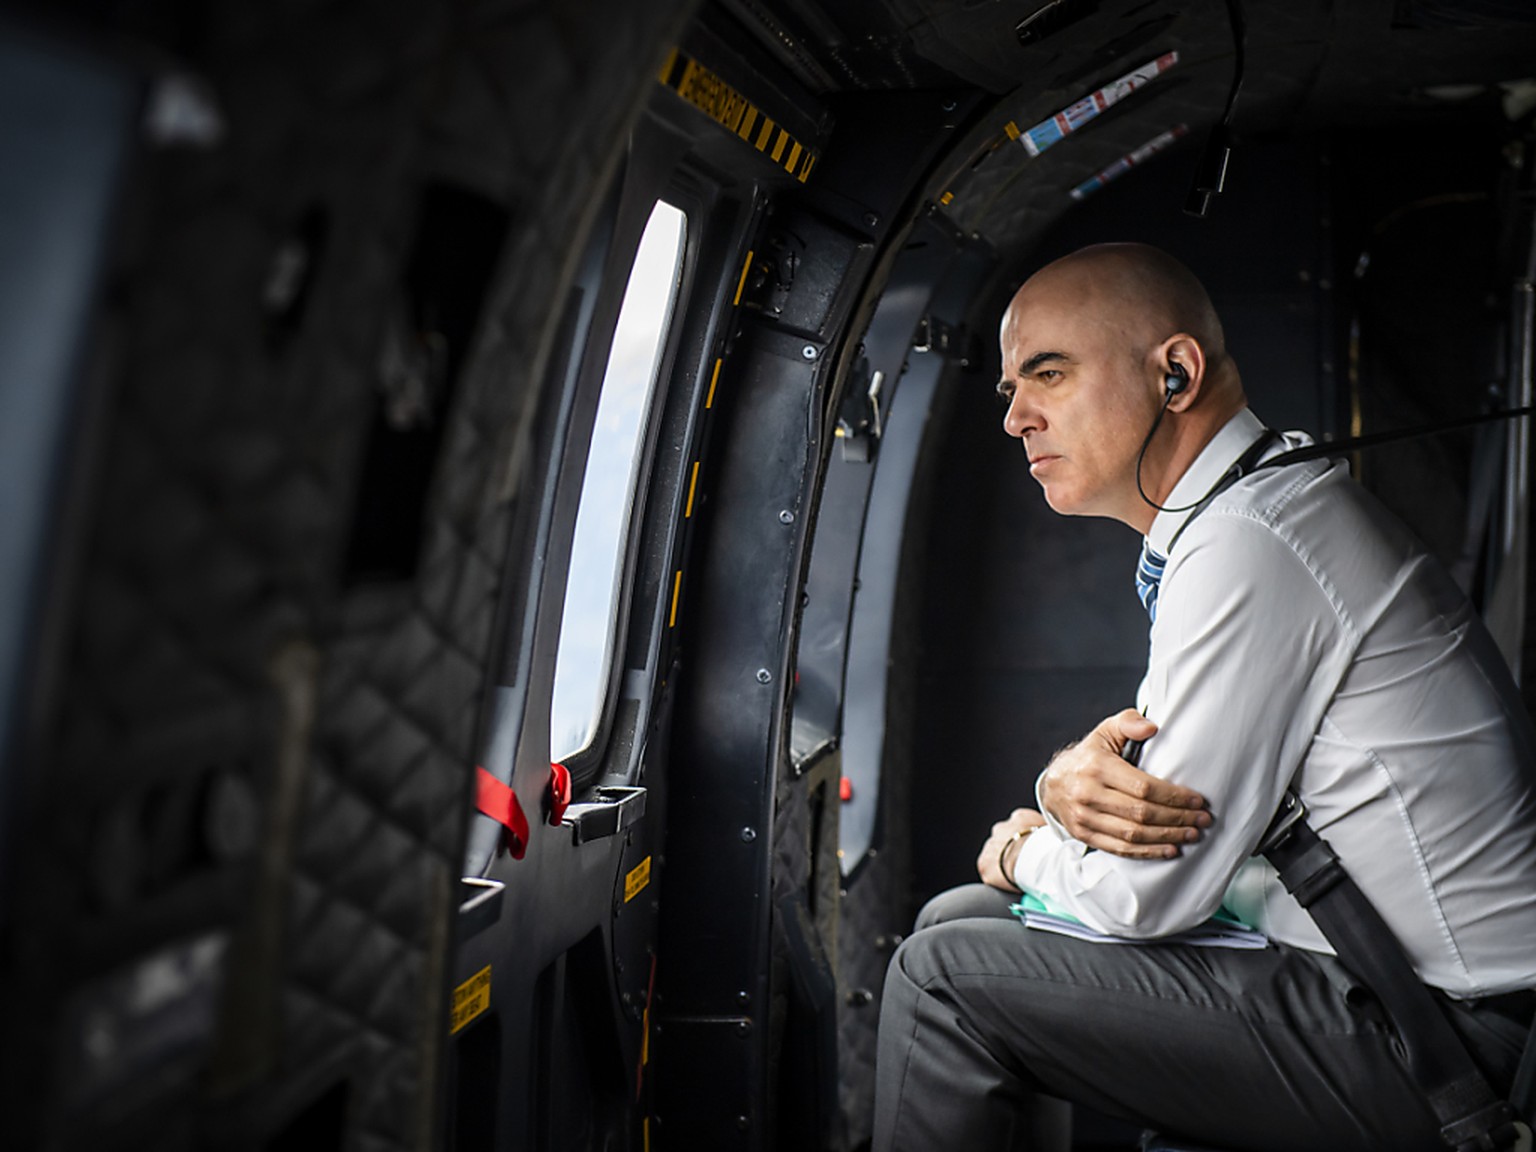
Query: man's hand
x=988, y=865
x=1105, y=803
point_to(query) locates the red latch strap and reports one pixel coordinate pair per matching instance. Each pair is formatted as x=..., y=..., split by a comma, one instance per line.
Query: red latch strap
x=559, y=792
x=499, y=802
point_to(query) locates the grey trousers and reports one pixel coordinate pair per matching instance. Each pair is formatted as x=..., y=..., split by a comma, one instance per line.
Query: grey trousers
x=1278, y=1049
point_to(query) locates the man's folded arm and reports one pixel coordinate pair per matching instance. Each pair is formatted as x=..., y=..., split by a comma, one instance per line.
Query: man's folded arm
x=1245, y=658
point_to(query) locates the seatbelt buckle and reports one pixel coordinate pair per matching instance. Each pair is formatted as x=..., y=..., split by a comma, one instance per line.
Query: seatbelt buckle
x=1291, y=813
x=1490, y=1128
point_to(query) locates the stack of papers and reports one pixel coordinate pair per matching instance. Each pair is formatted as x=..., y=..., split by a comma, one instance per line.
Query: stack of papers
x=1222, y=930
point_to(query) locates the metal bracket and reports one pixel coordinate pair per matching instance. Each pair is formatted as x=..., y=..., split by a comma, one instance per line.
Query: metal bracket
x=609, y=812
x=861, y=418
x=1291, y=813
x=934, y=335
x=876, y=381
x=479, y=905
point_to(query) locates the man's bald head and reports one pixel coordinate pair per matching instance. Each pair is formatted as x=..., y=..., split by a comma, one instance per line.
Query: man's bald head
x=1142, y=291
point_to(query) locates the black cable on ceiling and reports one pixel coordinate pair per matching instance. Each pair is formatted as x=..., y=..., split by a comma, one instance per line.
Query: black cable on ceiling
x=1211, y=171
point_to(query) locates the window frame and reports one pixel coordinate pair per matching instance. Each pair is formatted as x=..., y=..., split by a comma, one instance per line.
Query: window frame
x=720, y=215
x=633, y=497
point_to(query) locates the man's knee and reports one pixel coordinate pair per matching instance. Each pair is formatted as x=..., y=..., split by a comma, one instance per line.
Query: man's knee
x=923, y=960
x=944, y=946
x=964, y=903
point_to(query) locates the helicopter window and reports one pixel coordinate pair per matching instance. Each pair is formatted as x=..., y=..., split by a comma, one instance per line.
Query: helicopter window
x=589, y=623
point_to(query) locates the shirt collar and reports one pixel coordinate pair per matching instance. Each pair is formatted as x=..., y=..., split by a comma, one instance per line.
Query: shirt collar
x=1202, y=475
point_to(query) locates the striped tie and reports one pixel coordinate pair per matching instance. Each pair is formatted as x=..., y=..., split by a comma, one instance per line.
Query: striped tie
x=1149, y=574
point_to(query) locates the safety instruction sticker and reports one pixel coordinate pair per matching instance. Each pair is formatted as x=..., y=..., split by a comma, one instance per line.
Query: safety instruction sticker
x=639, y=876
x=470, y=999
x=1074, y=116
x=731, y=110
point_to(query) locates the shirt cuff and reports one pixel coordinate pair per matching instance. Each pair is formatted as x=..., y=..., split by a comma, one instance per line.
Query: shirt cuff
x=1038, y=846
x=1056, y=826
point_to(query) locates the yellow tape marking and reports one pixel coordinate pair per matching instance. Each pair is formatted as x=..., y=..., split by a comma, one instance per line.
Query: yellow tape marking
x=471, y=998
x=946, y=198
x=805, y=170
x=794, y=158
x=1011, y=130
x=647, y=1130
x=780, y=144
x=762, y=137
x=639, y=876
x=692, y=484
x=666, y=69
x=746, y=123
x=742, y=283
x=715, y=378
x=677, y=586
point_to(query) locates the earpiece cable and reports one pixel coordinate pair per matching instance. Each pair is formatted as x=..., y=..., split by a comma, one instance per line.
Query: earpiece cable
x=1142, y=455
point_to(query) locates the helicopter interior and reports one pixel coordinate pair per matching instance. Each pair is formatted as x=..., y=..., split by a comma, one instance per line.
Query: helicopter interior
x=515, y=589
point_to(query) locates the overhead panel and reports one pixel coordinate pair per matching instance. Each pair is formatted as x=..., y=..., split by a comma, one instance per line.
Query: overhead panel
x=1116, y=85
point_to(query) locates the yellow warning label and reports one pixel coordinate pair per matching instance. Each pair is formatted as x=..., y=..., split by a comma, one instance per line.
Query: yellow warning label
x=472, y=997
x=731, y=110
x=639, y=876
x=1012, y=130
x=712, y=95
x=947, y=199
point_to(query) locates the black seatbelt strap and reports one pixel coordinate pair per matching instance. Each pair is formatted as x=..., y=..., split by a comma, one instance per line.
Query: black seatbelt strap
x=1354, y=443
x=1523, y=1094
x=1249, y=460
x=1472, y=1117
x=1243, y=465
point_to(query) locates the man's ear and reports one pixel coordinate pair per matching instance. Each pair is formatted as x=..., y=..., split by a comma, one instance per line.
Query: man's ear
x=1182, y=363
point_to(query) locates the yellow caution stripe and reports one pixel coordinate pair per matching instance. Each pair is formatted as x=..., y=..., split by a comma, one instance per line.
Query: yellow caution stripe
x=693, y=482
x=727, y=107
x=742, y=283
x=709, y=401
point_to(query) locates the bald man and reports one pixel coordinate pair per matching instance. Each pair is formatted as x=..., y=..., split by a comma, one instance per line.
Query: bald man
x=1298, y=635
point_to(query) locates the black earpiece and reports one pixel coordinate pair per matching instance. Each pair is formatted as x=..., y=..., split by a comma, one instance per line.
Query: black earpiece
x=1177, y=379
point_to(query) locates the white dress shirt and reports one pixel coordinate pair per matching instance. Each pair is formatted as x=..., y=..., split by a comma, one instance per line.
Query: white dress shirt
x=1303, y=634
